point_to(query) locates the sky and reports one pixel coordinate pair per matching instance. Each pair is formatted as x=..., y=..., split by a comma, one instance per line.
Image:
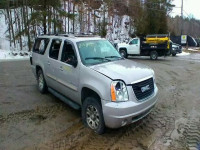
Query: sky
x=190, y=7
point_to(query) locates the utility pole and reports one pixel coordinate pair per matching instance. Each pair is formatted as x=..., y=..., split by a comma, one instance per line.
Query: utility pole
x=182, y=18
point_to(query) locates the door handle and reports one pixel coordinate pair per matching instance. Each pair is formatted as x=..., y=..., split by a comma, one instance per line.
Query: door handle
x=61, y=68
x=48, y=63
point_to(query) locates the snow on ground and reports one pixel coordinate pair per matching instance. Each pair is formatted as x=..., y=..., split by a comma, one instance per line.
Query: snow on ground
x=191, y=49
x=6, y=55
x=183, y=54
x=6, y=51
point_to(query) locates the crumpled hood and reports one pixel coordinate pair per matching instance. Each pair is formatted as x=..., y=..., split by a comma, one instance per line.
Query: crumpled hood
x=126, y=70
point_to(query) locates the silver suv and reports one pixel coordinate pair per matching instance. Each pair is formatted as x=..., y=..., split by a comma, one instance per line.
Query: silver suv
x=88, y=73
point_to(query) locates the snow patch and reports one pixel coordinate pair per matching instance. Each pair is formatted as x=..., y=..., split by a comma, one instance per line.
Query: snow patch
x=6, y=55
x=191, y=49
x=183, y=54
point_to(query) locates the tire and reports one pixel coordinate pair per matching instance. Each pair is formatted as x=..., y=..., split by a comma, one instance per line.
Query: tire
x=153, y=55
x=173, y=54
x=123, y=53
x=92, y=115
x=42, y=86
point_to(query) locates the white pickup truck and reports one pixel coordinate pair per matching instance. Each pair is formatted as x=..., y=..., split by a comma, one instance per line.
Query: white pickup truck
x=153, y=46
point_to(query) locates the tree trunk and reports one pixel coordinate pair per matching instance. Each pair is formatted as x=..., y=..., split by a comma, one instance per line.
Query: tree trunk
x=74, y=17
x=28, y=28
x=44, y=18
x=54, y=20
x=11, y=26
x=65, y=19
x=19, y=31
x=19, y=25
x=94, y=22
x=68, y=13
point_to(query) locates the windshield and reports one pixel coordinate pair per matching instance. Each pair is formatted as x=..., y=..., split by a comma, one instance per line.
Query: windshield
x=97, y=51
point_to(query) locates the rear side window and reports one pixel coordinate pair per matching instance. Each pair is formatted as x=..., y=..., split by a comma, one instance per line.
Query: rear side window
x=41, y=45
x=55, y=48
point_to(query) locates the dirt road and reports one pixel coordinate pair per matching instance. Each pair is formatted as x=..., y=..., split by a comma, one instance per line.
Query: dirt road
x=29, y=120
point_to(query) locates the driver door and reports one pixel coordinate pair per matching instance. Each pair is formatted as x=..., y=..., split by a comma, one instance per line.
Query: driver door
x=134, y=47
x=68, y=75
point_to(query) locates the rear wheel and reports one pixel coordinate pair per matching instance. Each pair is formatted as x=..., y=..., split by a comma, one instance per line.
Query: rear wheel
x=92, y=115
x=154, y=55
x=123, y=53
x=42, y=86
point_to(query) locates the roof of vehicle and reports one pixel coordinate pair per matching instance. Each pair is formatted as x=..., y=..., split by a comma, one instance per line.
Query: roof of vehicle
x=74, y=38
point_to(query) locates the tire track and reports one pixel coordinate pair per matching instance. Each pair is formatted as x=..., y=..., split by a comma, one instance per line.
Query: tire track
x=67, y=139
x=38, y=113
x=192, y=134
x=78, y=137
x=146, y=132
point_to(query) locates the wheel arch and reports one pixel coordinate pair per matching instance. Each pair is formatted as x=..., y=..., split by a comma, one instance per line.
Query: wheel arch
x=123, y=48
x=37, y=69
x=88, y=92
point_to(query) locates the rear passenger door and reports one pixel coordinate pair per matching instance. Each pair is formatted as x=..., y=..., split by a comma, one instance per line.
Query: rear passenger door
x=68, y=75
x=52, y=66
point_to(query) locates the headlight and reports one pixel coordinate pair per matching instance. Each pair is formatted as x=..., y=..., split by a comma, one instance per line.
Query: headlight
x=119, y=91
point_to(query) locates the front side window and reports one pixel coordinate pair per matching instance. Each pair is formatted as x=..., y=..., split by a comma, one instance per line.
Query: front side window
x=135, y=41
x=68, y=53
x=55, y=48
x=97, y=51
x=41, y=45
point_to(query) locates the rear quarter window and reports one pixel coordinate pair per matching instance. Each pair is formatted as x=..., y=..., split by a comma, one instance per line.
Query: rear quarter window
x=41, y=45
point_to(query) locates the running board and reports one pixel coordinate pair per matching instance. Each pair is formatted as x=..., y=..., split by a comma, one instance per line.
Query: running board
x=64, y=99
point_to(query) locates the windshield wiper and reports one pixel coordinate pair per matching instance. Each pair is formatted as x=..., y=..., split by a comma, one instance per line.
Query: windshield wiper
x=114, y=57
x=97, y=58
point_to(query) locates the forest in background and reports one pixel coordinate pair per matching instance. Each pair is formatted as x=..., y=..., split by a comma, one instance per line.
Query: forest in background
x=26, y=19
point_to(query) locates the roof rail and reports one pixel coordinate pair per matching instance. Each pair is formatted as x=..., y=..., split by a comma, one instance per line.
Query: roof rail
x=57, y=34
x=72, y=35
x=65, y=35
x=86, y=35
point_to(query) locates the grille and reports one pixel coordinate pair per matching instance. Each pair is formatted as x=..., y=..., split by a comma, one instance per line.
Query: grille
x=143, y=89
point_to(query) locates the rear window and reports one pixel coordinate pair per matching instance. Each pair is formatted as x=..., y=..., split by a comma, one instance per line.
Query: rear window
x=41, y=45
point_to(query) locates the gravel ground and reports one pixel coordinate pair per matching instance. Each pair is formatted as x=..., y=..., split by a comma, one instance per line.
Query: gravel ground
x=29, y=120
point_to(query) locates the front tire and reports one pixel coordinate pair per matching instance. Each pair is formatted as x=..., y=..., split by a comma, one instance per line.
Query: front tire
x=92, y=115
x=123, y=53
x=42, y=86
x=154, y=55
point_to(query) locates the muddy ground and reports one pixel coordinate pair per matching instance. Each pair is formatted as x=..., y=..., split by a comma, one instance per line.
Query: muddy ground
x=29, y=120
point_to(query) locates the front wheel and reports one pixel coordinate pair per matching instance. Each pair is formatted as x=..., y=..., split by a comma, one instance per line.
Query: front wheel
x=123, y=53
x=92, y=115
x=154, y=55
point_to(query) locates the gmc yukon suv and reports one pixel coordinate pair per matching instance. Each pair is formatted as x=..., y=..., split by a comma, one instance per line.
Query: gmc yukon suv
x=88, y=73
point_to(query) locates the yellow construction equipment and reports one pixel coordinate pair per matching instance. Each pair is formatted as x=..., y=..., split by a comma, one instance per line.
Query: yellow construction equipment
x=158, y=39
